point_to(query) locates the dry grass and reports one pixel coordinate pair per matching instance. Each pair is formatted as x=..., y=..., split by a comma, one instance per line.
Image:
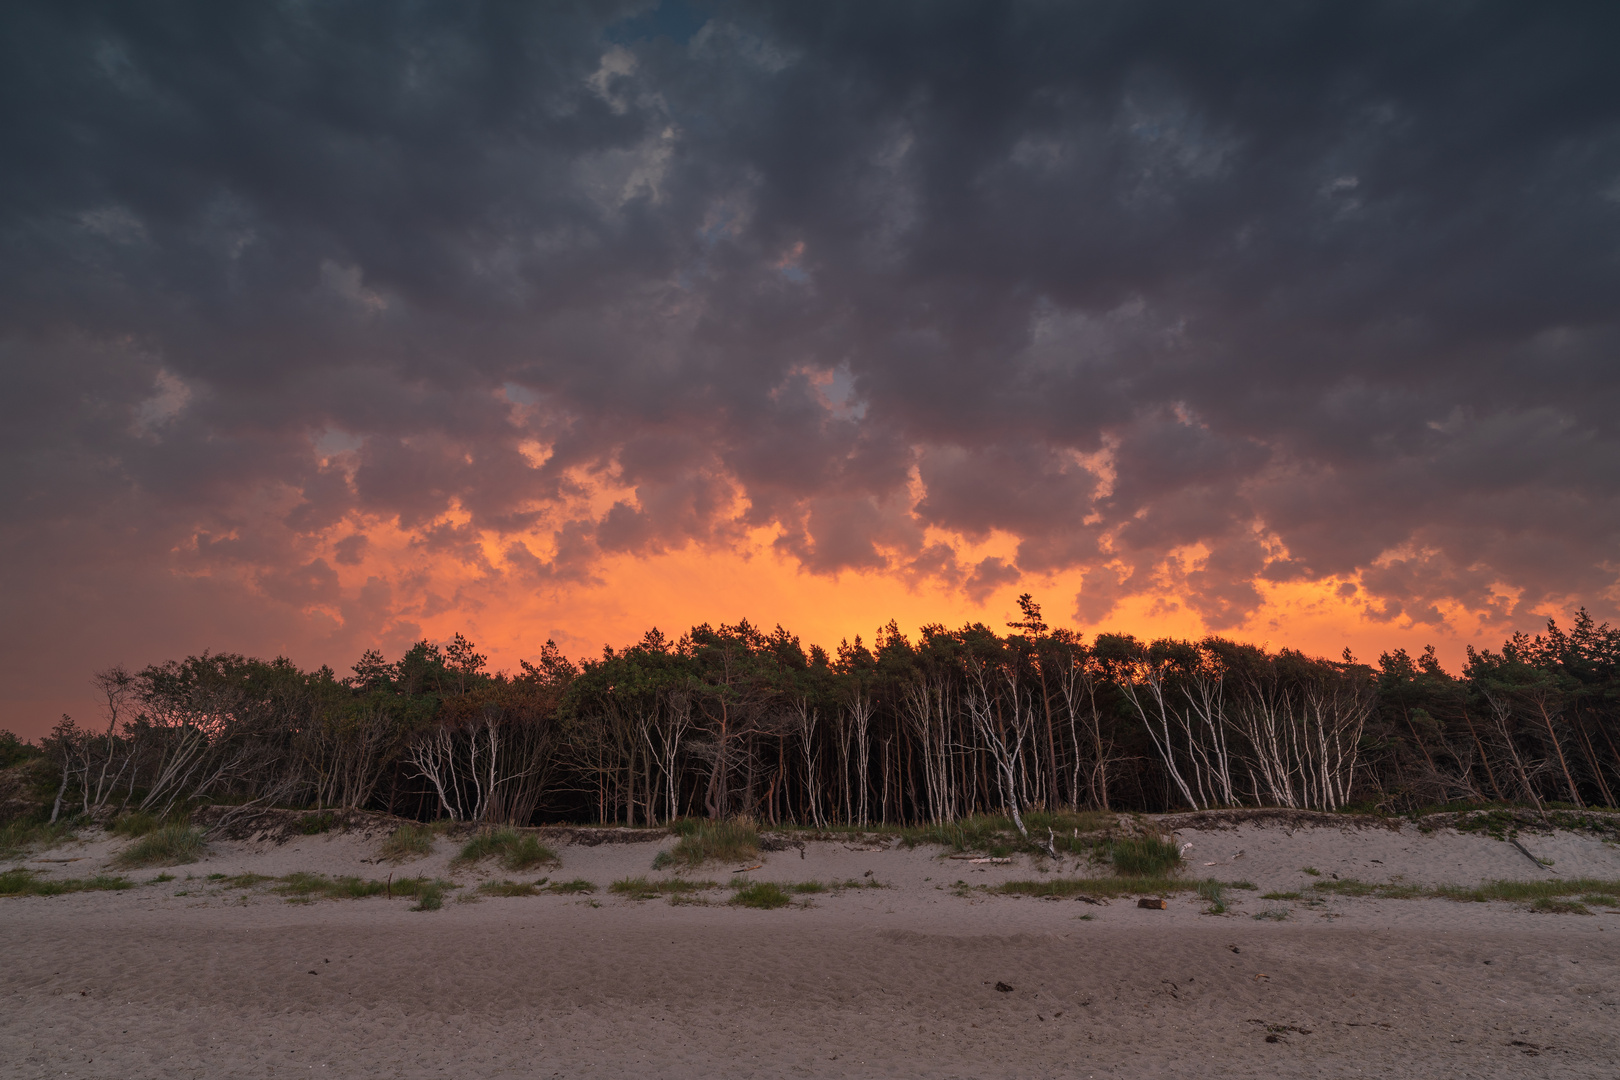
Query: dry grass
x=732, y=840
x=168, y=845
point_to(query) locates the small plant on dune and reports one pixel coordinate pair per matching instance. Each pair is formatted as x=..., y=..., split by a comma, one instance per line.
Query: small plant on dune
x=135, y=824
x=730, y=840
x=516, y=851
x=1274, y=914
x=407, y=842
x=1279, y=896
x=641, y=888
x=310, y=886
x=1145, y=856
x=578, y=885
x=507, y=888
x=808, y=887
x=169, y=845
x=1212, y=891
x=315, y=824
x=761, y=894
x=22, y=882
x=18, y=837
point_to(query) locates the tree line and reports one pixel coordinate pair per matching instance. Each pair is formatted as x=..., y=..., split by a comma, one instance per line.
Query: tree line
x=733, y=720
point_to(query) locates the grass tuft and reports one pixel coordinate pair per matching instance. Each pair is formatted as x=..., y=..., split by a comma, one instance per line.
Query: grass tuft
x=1101, y=886
x=135, y=824
x=516, y=851
x=407, y=842
x=641, y=888
x=761, y=894
x=1213, y=891
x=315, y=824
x=508, y=888
x=169, y=845
x=710, y=841
x=312, y=886
x=1146, y=856
x=578, y=885
x=21, y=882
x=19, y=837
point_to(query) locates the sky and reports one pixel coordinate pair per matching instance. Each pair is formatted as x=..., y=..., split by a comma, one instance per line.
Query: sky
x=335, y=326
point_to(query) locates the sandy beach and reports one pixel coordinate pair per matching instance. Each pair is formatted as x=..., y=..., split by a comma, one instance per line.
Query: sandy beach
x=196, y=977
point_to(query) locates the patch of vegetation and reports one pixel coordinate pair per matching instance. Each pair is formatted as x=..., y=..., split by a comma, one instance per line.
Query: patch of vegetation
x=19, y=837
x=160, y=879
x=1540, y=895
x=1147, y=856
x=996, y=835
x=320, y=886
x=407, y=842
x=730, y=840
x=761, y=894
x=1311, y=870
x=1274, y=914
x=315, y=824
x=429, y=893
x=1212, y=891
x=168, y=845
x=808, y=887
x=578, y=885
x=1279, y=896
x=517, y=851
x=508, y=888
x=22, y=882
x=641, y=888
x=134, y=824
x=240, y=881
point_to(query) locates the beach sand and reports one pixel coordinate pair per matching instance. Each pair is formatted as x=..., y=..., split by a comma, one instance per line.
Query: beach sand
x=893, y=981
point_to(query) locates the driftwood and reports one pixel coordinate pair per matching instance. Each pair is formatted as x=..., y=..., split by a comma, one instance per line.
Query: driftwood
x=1152, y=902
x=1539, y=864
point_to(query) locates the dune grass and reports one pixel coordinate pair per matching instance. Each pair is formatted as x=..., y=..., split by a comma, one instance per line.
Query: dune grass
x=407, y=842
x=22, y=882
x=700, y=842
x=19, y=837
x=1069, y=832
x=508, y=888
x=761, y=894
x=135, y=824
x=1215, y=892
x=641, y=888
x=1145, y=856
x=319, y=886
x=167, y=845
x=516, y=851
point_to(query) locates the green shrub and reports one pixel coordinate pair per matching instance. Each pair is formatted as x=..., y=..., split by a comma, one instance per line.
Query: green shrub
x=761, y=894
x=169, y=845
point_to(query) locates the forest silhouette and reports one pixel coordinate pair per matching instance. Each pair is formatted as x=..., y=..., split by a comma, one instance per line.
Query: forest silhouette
x=731, y=720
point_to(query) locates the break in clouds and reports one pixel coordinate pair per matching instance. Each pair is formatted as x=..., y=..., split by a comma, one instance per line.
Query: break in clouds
x=1190, y=300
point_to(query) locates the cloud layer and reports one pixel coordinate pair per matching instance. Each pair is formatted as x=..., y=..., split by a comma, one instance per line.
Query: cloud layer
x=1179, y=302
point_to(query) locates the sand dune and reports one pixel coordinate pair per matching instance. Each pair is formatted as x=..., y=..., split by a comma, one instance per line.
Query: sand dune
x=897, y=981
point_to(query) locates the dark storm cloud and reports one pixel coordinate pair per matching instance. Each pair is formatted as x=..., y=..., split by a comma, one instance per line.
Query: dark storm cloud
x=1326, y=289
